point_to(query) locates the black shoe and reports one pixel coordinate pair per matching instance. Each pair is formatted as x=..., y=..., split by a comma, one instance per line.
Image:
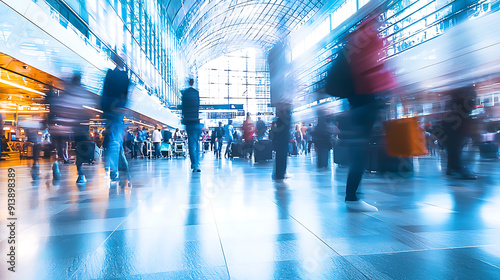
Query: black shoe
x=468, y=176
x=81, y=179
x=464, y=174
x=56, y=173
x=197, y=170
x=114, y=177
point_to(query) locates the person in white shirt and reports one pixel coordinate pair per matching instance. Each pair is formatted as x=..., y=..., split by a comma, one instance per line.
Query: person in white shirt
x=157, y=138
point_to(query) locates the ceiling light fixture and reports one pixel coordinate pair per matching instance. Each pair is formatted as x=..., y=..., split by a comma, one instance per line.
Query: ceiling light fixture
x=92, y=108
x=21, y=87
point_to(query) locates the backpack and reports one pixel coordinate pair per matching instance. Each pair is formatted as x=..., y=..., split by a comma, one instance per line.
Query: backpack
x=339, y=81
x=219, y=132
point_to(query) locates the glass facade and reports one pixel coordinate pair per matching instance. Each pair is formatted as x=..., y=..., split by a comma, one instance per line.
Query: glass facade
x=133, y=31
x=241, y=77
x=406, y=24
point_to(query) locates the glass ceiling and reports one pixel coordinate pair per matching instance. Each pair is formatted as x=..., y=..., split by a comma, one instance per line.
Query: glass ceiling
x=207, y=29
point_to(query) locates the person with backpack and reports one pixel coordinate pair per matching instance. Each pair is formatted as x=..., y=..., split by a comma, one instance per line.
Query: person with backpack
x=113, y=101
x=359, y=74
x=261, y=129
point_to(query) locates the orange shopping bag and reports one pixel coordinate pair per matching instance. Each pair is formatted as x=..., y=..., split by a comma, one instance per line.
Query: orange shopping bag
x=404, y=138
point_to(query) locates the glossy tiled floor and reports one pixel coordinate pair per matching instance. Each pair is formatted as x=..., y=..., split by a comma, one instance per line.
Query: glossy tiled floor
x=232, y=221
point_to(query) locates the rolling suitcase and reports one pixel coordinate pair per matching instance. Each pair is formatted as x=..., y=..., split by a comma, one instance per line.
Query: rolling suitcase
x=236, y=150
x=375, y=155
x=341, y=155
x=263, y=150
x=87, y=151
x=488, y=150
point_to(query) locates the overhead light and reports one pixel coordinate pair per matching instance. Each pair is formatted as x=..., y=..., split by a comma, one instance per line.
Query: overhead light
x=142, y=123
x=21, y=87
x=92, y=108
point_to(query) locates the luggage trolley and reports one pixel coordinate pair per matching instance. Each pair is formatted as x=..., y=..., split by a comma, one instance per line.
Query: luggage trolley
x=166, y=149
x=180, y=148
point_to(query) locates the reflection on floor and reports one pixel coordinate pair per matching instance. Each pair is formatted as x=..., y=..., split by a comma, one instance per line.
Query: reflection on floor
x=232, y=221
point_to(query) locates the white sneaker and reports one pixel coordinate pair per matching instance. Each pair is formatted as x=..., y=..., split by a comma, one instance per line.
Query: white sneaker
x=360, y=206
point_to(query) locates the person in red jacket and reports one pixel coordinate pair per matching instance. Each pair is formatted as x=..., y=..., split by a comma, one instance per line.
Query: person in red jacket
x=248, y=131
x=364, y=54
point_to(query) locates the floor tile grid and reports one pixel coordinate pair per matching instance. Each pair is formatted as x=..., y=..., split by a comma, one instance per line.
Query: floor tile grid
x=74, y=275
x=220, y=240
x=318, y=237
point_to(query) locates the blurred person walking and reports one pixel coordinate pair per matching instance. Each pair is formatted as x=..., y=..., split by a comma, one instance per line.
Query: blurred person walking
x=65, y=120
x=157, y=138
x=228, y=135
x=248, y=131
x=129, y=141
x=177, y=135
x=282, y=88
x=359, y=74
x=190, y=118
x=298, y=139
x=308, y=138
x=303, y=144
x=135, y=144
x=212, y=141
x=219, y=134
x=322, y=135
x=363, y=52
x=113, y=101
x=142, y=138
x=261, y=129
x=457, y=127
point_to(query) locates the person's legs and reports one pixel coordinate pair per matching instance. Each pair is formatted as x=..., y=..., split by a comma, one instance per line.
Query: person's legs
x=281, y=160
x=57, y=140
x=157, y=149
x=454, y=150
x=219, y=148
x=363, y=119
x=216, y=148
x=133, y=149
x=193, y=131
x=357, y=158
x=115, y=134
x=249, y=149
x=281, y=138
x=140, y=148
x=65, y=146
x=323, y=153
x=80, y=135
x=228, y=148
x=122, y=162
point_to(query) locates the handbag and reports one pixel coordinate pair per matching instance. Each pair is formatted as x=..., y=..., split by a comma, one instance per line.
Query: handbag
x=404, y=138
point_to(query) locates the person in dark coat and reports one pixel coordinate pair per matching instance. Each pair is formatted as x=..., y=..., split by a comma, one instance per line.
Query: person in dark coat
x=457, y=126
x=113, y=101
x=190, y=118
x=369, y=78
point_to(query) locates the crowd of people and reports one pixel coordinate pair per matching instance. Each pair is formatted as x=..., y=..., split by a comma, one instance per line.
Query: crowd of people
x=367, y=83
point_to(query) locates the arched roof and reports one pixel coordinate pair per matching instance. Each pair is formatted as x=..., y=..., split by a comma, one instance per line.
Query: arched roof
x=208, y=29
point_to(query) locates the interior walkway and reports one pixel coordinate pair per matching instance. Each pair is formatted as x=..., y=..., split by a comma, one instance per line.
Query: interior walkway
x=232, y=221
